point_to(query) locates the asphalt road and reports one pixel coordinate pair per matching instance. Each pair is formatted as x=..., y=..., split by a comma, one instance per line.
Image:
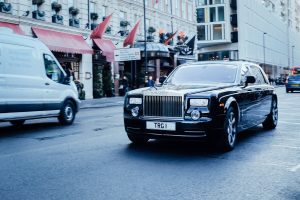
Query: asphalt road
x=93, y=159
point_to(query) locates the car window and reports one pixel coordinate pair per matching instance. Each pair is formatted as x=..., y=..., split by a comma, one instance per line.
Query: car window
x=245, y=71
x=257, y=73
x=52, y=69
x=203, y=74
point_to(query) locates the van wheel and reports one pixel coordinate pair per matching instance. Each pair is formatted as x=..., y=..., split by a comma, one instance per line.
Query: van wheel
x=272, y=119
x=17, y=122
x=67, y=113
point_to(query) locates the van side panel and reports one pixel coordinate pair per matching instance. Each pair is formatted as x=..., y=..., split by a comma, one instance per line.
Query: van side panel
x=2, y=82
x=25, y=85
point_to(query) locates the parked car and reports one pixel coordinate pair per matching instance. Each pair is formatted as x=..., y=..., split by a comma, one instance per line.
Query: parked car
x=32, y=83
x=292, y=83
x=204, y=99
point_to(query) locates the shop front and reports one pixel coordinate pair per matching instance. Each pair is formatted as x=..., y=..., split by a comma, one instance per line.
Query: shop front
x=159, y=64
x=70, y=50
x=103, y=64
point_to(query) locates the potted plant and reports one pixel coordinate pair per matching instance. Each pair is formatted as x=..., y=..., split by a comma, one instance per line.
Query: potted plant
x=38, y=2
x=5, y=7
x=94, y=16
x=37, y=14
x=56, y=7
x=124, y=23
x=73, y=11
x=108, y=30
x=151, y=30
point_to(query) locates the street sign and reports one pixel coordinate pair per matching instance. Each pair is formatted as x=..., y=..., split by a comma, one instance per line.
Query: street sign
x=127, y=54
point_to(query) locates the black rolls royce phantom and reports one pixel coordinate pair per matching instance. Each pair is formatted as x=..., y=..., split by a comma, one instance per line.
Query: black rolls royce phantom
x=202, y=99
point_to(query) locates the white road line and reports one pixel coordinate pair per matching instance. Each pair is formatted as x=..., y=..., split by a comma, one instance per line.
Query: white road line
x=288, y=147
x=295, y=168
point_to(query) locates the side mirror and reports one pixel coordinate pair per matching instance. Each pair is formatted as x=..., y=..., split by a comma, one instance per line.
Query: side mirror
x=162, y=79
x=249, y=79
x=67, y=80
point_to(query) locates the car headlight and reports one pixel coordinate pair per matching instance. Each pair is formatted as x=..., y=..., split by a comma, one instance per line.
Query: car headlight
x=199, y=102
x=135, y=101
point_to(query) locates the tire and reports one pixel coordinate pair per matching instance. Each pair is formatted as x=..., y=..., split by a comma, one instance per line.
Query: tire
x=272, y=119
x=17, y=122
x=135, y=139
x=287, y=91
x=67, y=113
x=292, y=91
x=229, y=134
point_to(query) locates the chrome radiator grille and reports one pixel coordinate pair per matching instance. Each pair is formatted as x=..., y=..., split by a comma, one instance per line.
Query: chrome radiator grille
x=165, y=106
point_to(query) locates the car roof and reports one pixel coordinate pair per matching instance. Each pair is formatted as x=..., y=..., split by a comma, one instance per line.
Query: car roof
x=238, y=63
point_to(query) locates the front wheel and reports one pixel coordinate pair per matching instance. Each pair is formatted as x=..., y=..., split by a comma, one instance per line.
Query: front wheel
x=229, y=134
x=136, y=139
x=67, y=113
x=272, y=119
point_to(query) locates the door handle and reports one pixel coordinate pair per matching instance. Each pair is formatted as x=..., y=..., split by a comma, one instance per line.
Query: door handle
x=47, y=83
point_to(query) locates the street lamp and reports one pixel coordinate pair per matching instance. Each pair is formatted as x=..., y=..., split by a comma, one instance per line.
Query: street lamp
x=264, y=50
x=293, y=55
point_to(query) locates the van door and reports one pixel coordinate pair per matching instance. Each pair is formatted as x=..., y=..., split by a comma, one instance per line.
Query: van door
x=2, y=82
x=24, y=83
x=55, y=88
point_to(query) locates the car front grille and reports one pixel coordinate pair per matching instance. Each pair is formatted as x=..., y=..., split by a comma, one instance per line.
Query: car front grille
x=163, y=106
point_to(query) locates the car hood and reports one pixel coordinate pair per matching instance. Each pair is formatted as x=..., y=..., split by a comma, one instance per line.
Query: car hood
x=168, y=90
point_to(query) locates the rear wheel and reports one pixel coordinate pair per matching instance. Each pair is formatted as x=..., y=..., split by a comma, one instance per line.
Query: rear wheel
x=229, y=135
x=272, y=119
x=17, y=122
x=67, y=113
x=136, y=139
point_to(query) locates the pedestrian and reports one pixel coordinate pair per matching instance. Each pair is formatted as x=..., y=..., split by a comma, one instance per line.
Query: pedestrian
x=123, y=86
x=150, y=82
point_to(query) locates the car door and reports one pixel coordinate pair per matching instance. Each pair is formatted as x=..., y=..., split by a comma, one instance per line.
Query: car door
x=54, y=78
x=262, y=93
x=246, y=98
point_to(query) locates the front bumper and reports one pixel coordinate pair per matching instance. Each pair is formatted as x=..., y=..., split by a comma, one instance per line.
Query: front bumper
x=184, y=128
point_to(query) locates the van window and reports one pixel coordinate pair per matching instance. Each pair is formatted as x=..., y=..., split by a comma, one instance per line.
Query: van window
x=52, y=69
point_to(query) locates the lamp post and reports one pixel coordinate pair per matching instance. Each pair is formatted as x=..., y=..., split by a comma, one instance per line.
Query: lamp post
x=293, y=55
x=145, y=38
x=264, y=50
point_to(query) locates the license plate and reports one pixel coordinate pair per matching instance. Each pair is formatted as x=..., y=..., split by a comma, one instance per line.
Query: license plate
x=167, y=126
x=295, y=85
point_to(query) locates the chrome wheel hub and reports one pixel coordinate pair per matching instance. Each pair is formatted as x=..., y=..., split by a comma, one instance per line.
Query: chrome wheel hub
x=68, y=113
x=231, y=129
x=275, y=112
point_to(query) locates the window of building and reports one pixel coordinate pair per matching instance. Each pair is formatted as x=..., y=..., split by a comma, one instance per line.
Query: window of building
x=221, y=13
x=219, y=2
x=200, y=15
x=201, y=2
x=92, y=7
x=201, y=32
x=104, y=11
x=53, y=71
x=217, y=32
x=212, y=14
x=70, y=3
x=122, y=15
x=183, y=10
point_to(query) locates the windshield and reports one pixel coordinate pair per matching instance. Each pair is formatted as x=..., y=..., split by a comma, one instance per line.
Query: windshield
x=203, y=74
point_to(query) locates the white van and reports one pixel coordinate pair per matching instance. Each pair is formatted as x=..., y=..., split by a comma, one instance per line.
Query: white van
x=32, y=83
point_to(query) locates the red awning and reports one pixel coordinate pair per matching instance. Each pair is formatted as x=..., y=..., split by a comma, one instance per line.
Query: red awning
x=107, y=48
x=14, y=27
x=63, y=42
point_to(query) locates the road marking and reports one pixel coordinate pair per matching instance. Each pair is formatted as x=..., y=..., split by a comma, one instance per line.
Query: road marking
x=295, y=168
x=284, y=146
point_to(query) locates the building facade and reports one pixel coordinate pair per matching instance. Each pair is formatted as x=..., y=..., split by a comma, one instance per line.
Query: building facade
x=265, y=32
x=78, y=17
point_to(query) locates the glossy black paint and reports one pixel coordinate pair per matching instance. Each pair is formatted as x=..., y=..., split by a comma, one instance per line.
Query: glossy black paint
x=251, y=96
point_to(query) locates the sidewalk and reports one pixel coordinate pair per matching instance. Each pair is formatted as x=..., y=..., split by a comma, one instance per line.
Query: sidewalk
x=102, y=102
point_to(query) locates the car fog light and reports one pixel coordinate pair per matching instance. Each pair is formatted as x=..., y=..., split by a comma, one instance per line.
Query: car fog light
x=195, y=114
x=135, y=111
